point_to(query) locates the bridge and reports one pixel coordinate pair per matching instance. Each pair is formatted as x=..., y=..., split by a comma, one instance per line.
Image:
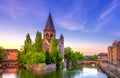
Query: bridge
x=88, y=62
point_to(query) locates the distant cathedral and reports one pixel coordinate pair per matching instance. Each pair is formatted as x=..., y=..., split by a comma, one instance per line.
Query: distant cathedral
x=49, y=33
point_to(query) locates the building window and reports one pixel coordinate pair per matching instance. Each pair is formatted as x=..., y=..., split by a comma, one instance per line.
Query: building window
x=47, y=35
x=51, y=35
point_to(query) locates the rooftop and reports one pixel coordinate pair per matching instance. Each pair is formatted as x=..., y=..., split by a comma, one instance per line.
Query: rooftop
x=102, y=54
x=49, y=24
x=11, y=50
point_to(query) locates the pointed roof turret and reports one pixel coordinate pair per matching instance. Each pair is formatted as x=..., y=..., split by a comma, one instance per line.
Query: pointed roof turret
x=49, y=23
x=61, y=37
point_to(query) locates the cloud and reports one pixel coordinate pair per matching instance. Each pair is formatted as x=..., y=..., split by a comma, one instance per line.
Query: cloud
x=109, y=10
x=68, y=21
x=71, y=25
x=100, y=24
x=105, y=16
x=13, y=8
x=21, y=8
x=117, y=33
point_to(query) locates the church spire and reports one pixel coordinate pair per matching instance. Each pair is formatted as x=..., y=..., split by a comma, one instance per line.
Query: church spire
x=61, y=37
x=49, y=23
x=49, y=30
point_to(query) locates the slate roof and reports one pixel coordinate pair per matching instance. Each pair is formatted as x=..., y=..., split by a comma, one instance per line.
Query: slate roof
x=49, y=23
x=61, y=37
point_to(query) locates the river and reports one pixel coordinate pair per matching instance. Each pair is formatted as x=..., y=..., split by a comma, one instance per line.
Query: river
x=85, y=72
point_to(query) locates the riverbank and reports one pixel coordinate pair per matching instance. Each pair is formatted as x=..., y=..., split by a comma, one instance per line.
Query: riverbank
x=113, y=71
x=42, y=68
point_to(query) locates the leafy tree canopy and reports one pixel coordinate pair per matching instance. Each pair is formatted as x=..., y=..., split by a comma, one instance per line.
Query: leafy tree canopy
x=53, y=45
x=38, y=58
x=38, y=42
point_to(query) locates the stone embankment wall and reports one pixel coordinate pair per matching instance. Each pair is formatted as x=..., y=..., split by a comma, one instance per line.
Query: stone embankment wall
x=111, y=69
x=41, y=68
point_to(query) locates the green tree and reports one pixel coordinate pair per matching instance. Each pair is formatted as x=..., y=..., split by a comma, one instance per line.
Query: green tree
x=32, y=53
x=25, y=57
x=48, y=57
x=38, y=42
x=1, y=53
x=38, y=58
x=29, y=57
x=58, y=59
x=53, y=49
x=78, y=56
x=32, y=48
x=53, y=45
x=68, y=55
x=92, y=57
x=72, y=56
x=22, y=58
x=27, y=43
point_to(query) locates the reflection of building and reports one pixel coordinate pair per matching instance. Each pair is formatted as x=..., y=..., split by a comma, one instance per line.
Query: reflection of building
x=50, y=32
x=103, y=56
x=10, y=73
x=114, y=53
x=9, y=70
x=11, y=54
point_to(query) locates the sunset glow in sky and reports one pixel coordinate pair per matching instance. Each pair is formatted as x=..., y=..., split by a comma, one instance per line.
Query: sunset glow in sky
x=88, y=26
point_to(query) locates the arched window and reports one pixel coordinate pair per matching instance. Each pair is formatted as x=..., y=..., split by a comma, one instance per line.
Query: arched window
x=47, y=35
x=51, y=35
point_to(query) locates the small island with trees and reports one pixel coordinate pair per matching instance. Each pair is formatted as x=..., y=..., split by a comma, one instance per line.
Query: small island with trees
x=32, y=53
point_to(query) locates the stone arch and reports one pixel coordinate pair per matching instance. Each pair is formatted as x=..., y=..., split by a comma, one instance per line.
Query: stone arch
x=92, y=63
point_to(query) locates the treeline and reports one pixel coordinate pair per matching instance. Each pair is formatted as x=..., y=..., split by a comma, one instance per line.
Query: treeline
x=74, y=56
x=32, y=53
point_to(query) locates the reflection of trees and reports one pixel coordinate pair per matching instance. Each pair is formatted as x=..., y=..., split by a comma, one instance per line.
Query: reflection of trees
x=29, y=74
x=25, y=74
x=54, y=74
x=58, y=73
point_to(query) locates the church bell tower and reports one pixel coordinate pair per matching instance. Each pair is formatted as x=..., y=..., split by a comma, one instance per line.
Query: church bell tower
x=49, y=30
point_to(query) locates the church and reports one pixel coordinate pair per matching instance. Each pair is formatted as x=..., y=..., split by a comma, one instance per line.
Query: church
x=49, y=33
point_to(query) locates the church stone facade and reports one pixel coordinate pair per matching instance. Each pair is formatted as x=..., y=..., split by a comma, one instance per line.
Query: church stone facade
x=49, y=33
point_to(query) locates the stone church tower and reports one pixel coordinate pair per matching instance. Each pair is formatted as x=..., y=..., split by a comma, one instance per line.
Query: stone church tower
x=50, y=32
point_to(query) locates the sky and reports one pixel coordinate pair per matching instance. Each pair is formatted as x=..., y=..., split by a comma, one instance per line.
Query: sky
x=88, y=26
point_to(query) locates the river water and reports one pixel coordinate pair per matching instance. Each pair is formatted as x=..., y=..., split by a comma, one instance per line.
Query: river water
x=85, y=72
